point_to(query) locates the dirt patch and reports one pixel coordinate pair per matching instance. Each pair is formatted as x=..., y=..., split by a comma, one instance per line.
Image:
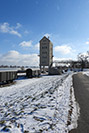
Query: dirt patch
x=71, y=108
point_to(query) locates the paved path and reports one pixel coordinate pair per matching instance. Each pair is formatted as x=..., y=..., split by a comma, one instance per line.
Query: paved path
x=81, y=89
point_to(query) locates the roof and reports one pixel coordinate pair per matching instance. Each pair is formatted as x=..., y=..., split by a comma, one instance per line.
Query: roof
x=45, y=38
x=8, y=70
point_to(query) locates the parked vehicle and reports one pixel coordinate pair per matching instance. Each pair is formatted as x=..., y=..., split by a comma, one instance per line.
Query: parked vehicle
x=32, y=72
x=7, y=76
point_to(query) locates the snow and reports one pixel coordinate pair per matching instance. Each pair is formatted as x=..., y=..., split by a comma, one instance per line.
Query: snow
x=75, y=111
x=86, y=72
x=38, y=105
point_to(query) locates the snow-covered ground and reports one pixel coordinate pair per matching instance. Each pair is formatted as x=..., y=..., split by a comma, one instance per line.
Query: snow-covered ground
x=86, y=72
x=38, y=105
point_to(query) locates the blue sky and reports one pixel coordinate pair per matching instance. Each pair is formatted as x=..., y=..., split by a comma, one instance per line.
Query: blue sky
x=24, y=22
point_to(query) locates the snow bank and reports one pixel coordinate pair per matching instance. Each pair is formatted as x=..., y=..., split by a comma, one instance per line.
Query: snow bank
x=86, y=73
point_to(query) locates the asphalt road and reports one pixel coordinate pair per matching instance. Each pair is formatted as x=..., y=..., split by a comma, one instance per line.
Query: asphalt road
x=81, y=89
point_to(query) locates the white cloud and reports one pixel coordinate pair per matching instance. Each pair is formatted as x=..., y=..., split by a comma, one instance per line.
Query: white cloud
x=26, y=44
x=26, y=32
x=18, y=25
x=63, y=49
x=87, y=42
x=37, y=46
x=15, y=33
x=6, y=28
x=15, y=58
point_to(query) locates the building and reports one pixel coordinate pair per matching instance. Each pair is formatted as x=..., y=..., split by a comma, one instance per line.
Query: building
x=46, y=52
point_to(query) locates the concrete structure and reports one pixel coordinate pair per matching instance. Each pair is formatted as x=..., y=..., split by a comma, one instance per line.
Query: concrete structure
x=46, y=53
x=55, y=71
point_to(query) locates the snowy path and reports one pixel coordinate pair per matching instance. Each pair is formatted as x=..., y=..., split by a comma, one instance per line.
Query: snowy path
x=36, y=105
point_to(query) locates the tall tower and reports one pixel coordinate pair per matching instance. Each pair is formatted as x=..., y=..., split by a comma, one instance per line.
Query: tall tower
x=46, y=52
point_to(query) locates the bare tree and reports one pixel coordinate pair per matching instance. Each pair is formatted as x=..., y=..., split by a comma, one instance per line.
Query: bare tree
x=83, y=59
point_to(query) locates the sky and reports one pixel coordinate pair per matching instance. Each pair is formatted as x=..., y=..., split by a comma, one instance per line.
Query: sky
x=23, y=23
